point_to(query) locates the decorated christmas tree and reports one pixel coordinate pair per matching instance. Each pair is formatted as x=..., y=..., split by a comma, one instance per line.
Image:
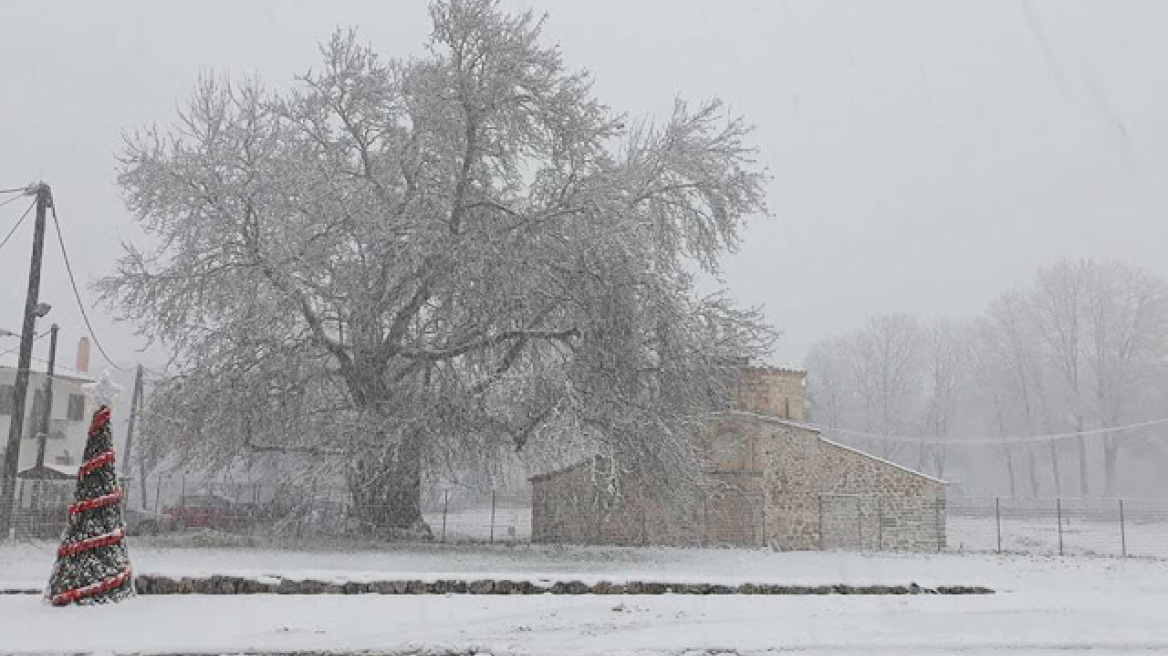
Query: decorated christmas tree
x=92, y=564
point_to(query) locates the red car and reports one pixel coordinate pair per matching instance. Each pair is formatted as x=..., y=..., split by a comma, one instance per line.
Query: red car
x=206, y=511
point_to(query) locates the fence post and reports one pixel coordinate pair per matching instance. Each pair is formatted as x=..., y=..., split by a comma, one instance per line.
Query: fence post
x=157, y=491
x=1058, y=506
x=879, y=524
x=182, y=490
x=998, y=520
x=1122, y=530
x=445, y=507
x=492, y=517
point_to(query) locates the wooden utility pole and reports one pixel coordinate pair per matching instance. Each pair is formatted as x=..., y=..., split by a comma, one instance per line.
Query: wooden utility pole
x=134, y=401
x=47, y=416
x=44, y=199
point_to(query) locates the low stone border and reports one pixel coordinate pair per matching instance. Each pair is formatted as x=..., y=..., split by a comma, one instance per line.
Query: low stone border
x=233, y=585
x=162, y=585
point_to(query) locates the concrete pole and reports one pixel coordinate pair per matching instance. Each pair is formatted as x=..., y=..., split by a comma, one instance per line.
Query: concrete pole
x=47, y=416
x=134, y=402
x=24, y=361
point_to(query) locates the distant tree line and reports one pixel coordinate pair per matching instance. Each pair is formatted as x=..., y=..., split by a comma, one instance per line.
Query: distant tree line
x=1082, y=346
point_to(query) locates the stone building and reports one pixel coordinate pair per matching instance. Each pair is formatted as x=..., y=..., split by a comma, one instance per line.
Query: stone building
x=768, y=479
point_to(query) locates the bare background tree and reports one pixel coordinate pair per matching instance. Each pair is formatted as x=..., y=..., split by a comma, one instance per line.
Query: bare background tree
x=405, y=267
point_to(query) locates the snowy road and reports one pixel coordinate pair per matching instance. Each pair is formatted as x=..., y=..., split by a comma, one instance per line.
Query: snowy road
x=1045, y=605
x=561, y=624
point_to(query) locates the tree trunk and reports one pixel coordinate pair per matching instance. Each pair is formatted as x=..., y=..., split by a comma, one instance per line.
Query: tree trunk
x=1110, y=464
x=1032, y=470
x=1082, y=441
x=1010, y=471
x=386, y=486
x=1054, y=463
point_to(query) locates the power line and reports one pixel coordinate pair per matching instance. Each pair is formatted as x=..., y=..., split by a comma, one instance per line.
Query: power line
x=77, y=293
x=14, y=190
x=11, y=200
x=17, y=348
x=1015, y=439
x=18, y=222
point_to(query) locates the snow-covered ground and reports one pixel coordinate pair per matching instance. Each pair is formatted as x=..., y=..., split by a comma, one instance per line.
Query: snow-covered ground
x=1043, y=605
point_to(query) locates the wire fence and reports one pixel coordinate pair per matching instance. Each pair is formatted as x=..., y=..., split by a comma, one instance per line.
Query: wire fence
x=177, y=505
x=1081, y=527
x=183, y=506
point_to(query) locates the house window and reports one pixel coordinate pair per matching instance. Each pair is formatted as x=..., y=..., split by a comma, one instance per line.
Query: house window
x=7, y=399
x=76, y=407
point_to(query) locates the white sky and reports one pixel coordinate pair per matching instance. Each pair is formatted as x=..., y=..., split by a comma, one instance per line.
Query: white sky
x=926, y=155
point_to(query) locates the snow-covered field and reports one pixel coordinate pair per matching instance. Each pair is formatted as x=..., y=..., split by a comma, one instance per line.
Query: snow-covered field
x=1044, y=605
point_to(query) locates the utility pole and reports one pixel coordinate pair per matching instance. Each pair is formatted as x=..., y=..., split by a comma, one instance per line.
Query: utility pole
x=46, y=418
x=134, y=401
x=32, y=309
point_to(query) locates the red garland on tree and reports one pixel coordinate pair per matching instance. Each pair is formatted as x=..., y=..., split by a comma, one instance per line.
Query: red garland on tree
x=92, y=564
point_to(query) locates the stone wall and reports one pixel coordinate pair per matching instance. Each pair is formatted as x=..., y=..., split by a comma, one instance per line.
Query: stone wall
x=766, y=481
x=819, y=494
x=579, y=505
x=898, y=509
x=586, y=504
x=773, y=392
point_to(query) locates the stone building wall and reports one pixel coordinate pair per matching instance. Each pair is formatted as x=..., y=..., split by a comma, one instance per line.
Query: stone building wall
x=771, y=391
x=767, y=481
x=579, y=505
x=585, y=505
x=899, y=509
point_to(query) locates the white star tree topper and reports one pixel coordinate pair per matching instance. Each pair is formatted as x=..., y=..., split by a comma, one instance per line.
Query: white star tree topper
x=103, y=391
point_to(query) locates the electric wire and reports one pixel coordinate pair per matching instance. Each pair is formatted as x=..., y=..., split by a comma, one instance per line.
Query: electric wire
x=77, y=293
x=1015, y=439
x=18, y=223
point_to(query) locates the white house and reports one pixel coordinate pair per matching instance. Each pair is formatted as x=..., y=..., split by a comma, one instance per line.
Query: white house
x=69, y=423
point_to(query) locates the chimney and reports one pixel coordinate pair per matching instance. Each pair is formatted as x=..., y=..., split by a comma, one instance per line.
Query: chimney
x=83, y=355
x=772, y=391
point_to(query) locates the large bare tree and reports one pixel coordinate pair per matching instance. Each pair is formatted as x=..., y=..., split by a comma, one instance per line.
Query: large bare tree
x=449, y=256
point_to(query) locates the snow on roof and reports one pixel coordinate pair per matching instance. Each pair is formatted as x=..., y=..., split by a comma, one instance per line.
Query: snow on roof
x=65, y=471
x=807, y=427
x=881, y=460
x=771, y=419
x=9, y=359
